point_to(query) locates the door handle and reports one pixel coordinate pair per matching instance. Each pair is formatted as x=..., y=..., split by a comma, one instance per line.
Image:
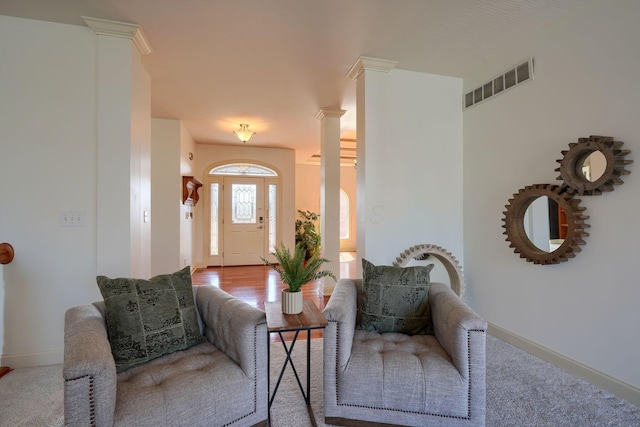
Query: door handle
x=260, y=228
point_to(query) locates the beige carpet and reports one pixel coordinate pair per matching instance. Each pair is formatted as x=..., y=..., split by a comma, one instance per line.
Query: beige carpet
x=33, y=397
x=289, y=408
x=522, y=391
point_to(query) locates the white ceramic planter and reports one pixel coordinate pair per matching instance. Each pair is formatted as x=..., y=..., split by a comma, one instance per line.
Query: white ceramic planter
x=291, y=302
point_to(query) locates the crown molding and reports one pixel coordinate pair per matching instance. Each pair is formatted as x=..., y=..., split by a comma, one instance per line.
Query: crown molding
x=141, y=42
x=104, y=27
x=329, y=112
x=370, y=64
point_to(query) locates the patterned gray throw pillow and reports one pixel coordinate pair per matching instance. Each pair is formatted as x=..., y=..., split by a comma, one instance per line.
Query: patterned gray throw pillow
x=149, y=318
x=395, y=299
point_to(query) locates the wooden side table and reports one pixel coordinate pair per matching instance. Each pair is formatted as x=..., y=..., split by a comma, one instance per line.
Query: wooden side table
x=310, y=318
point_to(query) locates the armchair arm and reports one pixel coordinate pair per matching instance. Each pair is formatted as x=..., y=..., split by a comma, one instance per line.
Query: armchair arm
x=341, y=312
x=235, y=327
x=89, y=370
x=460, y=331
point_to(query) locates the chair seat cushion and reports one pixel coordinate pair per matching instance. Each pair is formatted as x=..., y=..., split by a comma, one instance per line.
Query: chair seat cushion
x=402, y=373
x=200, y=386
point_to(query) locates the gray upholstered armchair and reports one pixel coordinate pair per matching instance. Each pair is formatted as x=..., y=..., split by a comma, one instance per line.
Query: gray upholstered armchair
x=220, y=382
x=396, y=379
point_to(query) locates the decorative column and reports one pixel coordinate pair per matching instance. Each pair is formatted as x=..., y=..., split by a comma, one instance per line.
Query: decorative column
x=364, y=67
x=330, y=193
x=123, y=196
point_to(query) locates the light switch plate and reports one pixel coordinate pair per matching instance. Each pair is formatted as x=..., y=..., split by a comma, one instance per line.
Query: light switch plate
x=73, y=218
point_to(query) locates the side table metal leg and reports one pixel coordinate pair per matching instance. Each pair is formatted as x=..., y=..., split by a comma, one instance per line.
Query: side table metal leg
x=288, y=360
x=268, y=379
x=308, y=397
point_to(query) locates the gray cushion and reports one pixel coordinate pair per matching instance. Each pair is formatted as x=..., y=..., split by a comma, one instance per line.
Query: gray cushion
x=403, y=373
x=149, y=318
x=200, y=386
x=395, y=299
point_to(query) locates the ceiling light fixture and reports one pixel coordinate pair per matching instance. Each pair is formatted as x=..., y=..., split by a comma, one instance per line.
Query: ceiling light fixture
x=244, y=134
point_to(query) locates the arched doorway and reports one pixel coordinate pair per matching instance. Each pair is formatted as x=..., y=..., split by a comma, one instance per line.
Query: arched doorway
x=243, y=211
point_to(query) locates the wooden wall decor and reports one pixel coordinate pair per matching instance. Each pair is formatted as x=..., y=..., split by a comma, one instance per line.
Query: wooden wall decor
x=514, y=224
x=190, y=186
x=589, y=167
x=573, y=159
x=6, y=253
x=450, y=263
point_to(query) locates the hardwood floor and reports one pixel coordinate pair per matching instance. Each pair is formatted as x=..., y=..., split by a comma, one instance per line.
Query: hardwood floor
x=257, y=284
x=254, y=284
x=4, y=370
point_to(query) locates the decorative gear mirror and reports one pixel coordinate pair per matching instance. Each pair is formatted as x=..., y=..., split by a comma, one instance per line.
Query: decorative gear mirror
x=545, y=223
x=593, y=165
x=520, y=221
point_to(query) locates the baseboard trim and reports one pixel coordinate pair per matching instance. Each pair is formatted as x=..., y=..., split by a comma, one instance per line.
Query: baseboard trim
x=26, y=360
x=595, y=377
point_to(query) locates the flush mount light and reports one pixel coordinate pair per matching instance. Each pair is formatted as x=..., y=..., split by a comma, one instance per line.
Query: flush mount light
x=244, y=134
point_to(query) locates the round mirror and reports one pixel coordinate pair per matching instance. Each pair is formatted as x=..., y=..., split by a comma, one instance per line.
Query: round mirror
x=593, y=165
x=545, y=224
x=528, y=224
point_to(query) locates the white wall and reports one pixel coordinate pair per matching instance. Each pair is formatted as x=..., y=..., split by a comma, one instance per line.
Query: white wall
x=586, y=83
x=50, y=122
x=410, y=155
x=140, y=182
x=172, y=229
x=166, y=189
x=283, y=160
x=348, y=185
x=47, y=165
x=308, y=188
x=308, y=195
x=187, y=220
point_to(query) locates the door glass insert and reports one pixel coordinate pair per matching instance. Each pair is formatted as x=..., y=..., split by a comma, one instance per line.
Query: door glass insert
x=215, y=214
x=243, y=203
x=272, y=216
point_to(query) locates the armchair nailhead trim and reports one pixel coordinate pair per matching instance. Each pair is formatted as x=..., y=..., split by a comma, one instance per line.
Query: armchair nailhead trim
x=337, y=358
x=469, y=365
x=255, y=377
x=468, y=417
x=92, y=400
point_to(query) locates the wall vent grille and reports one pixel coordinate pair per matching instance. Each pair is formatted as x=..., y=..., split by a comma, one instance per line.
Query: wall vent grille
x=515, y=76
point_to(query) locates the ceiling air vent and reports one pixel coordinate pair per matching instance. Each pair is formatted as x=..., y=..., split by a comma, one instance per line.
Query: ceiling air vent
x=521, y=73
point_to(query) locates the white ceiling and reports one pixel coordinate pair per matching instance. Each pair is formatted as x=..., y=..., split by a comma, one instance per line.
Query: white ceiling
x=275, y=63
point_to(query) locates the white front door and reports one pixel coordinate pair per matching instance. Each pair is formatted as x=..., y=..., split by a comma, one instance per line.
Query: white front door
x=244, y=221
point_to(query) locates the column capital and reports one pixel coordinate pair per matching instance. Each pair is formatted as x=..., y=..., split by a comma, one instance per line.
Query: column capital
x=329, y=112
x=104, y=27
x=371, y=64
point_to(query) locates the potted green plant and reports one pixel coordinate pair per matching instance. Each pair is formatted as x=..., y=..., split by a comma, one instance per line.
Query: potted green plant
x=306, y=232
x=295, y=271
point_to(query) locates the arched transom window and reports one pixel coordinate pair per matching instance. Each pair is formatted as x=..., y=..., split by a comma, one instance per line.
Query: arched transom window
x=243, y=169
